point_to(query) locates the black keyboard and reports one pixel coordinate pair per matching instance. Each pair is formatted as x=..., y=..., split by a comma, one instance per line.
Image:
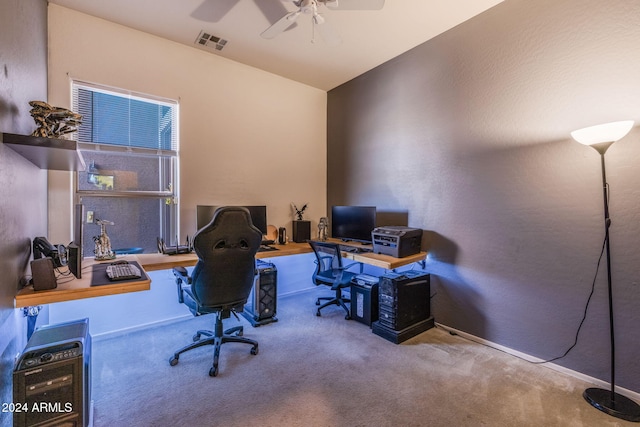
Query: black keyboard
x=267, y=248
x=123, y=272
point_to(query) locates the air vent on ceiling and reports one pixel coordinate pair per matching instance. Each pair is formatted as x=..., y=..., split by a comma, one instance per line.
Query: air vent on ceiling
x=210, y=41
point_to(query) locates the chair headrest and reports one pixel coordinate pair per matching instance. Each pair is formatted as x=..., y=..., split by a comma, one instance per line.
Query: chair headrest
x=230, y=228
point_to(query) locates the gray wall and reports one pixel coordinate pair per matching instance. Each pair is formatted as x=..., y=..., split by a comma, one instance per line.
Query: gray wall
x=470, y=133
x=23, y=187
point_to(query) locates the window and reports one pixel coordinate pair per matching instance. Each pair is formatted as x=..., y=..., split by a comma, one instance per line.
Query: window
x=130, y=145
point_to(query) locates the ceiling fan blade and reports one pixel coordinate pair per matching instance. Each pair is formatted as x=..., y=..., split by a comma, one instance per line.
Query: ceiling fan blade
x=213, y=11
x=327, y=32
x=354, y=4
x=282, y=24
x=272, y=10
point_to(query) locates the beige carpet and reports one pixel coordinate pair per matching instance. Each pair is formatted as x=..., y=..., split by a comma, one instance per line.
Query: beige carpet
x=327, y=371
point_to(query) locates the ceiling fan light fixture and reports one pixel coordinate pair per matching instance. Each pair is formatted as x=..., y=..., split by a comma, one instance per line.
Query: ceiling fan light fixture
x=310, y=7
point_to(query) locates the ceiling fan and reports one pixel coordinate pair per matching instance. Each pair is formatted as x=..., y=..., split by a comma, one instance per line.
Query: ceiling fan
x=310, y=7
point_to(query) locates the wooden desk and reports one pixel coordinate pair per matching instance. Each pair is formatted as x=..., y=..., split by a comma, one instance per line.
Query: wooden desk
x=387, y=262
x=151, y=262
x=384, y=261
x=73, y=289
x=69, y=288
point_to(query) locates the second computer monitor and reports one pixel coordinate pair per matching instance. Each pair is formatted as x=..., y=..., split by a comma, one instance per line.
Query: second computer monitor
x=353, y=222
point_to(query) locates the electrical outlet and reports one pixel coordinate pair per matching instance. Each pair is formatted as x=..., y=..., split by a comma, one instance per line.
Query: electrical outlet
x=89, y=217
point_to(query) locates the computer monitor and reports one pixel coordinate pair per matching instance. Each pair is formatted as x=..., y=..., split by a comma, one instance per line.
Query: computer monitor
x=78, y=227
x=75, y=249
x=258, y=217
x=353, y=223
x=204, y=215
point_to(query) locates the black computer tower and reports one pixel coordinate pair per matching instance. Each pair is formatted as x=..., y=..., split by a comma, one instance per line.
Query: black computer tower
x=261, y=305
x=52, y=377
x=404, y=308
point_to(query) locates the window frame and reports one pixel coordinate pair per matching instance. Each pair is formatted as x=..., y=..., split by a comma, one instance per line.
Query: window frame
x=171, y=194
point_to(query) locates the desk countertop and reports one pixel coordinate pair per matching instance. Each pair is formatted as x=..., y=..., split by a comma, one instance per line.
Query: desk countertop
x=69, y=288
x=73, y=289
x=151, y=262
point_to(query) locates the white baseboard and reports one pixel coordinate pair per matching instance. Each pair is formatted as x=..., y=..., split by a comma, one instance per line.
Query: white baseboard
x=595, y=381
x=296, y=292
x=124, y=331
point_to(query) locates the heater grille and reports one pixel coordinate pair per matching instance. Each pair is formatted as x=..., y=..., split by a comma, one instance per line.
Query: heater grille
x=210, y=41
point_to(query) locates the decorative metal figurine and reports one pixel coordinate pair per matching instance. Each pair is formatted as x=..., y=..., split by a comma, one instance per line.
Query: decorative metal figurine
x=53, y=122
x=323, y=227
x=299, y=212
x=103, y=243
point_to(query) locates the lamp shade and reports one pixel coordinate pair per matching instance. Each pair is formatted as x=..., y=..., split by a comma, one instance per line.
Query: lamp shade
x=608, y=132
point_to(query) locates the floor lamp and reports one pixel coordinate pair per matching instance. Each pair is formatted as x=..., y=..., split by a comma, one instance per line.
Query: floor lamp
x=601, y=137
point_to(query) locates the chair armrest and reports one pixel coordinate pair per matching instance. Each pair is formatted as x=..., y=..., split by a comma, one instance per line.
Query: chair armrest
x=346, y=267
x=182, y=276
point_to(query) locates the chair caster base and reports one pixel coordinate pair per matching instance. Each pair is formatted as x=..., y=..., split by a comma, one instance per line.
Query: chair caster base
x=173, y=361
x=213, y=372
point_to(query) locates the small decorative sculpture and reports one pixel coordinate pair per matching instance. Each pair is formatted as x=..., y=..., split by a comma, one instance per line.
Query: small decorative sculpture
x=299, y=212
x=53, y=122
x=103, y=243
x=323, y=226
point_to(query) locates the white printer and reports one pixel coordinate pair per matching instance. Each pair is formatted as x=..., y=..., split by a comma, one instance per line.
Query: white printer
x=397, y=241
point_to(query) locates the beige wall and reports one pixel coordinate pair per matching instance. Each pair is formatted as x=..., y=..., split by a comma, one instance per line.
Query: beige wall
x=246, y=136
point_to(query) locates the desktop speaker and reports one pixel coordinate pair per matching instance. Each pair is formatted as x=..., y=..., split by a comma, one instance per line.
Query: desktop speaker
x=301, y=231
x=42, y=274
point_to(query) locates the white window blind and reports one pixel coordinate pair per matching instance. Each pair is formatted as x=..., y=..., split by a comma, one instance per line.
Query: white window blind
x=125, y=119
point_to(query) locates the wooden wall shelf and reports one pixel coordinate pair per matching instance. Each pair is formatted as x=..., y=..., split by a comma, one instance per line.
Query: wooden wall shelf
x=46, y=153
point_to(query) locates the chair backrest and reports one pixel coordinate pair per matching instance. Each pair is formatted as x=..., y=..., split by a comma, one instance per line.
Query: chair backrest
x=226, y=249
x=328, y=261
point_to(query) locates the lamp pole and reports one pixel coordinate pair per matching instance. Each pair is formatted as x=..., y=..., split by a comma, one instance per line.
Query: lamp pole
x=609, y=401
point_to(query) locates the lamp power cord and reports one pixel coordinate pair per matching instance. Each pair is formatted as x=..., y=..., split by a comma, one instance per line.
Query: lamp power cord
x=586, y=308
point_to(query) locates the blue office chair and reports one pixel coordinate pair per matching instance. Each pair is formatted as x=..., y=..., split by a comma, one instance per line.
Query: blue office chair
x=330, y=272
x=222, y=278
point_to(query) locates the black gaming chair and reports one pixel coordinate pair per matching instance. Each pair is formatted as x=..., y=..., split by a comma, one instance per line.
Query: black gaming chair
x=222, y=278
x=330, y=272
